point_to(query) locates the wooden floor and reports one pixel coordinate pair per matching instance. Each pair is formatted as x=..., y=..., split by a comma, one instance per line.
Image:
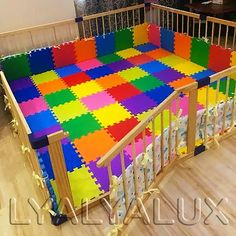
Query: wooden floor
x=209, y=175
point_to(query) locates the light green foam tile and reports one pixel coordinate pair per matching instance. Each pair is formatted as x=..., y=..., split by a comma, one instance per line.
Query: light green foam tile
x=44, y=77
x=132, y=73
x=55, y=189
x=83, y=186
x=172, y=60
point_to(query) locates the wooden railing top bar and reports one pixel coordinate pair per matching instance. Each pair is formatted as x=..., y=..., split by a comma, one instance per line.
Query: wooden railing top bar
x=222, y=74
x=221, y=21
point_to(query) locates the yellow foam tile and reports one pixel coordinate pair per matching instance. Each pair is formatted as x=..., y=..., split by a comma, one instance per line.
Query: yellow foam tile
x=132, y=73
x=86, y=89
x=127, y=53
x=233, y=63
x=211, y=96
x=44, y=77
x=188, y=68
x=111, y=114
x=140, y=34
x=69, y=110
x=172, y=60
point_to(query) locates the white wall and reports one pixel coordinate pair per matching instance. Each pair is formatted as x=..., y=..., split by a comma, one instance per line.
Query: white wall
x=16, y=14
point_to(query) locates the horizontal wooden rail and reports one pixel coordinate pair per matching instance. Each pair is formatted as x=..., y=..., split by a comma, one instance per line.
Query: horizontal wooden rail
x=222, y=74
x=221, y=21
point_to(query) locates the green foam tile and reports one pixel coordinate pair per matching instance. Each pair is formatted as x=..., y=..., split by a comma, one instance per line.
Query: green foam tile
x=60, y=97
x=81, y=126
x=223, y=84
x=147, y=83
x=16, y=67
x=109, y=58
x=200, y=52
x=123, y=39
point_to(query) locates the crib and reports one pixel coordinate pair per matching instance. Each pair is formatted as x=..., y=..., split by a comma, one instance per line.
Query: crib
x=189, y=108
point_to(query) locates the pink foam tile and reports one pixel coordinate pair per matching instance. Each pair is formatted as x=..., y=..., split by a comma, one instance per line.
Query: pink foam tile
x=90, y=64
x=138, y=146
x=33, y=106
x=184, y=106
x=98, y=100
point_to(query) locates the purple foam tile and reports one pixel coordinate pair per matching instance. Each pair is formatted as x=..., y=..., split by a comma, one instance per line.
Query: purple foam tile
x=139, y=104
x=21, y=84
x=120, y=65
x=168, y=75
x=47, y=131
x=43, y=150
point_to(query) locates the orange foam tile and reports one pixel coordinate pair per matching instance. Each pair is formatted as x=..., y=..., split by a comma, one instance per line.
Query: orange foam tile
x=182, y=82
x=51, y=86
x=140, y=34
x=111, y=81
x=94, y=145
x=182, y=45
x=158, y=53
x=85, y=49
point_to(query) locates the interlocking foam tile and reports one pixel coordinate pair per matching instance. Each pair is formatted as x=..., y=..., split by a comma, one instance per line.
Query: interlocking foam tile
x=211, y=96
x=140, y=59
x=46, y=131
x=168, y=75
x=33, y=106
x=181, y=82
x=182, y=45
x=120, y=65
x=172, y=60
x=83, y=186
x=158, y=53
x=85, y=49
x=127, y=53
x=64, y=54
x=67, y=70
x=123, y=91
x=51, y=86
x=132, y=73
x=219, y=58
x=16, y=66
x=110, y=81
x=233, y=63
x=90, y=64
x=20, y=84
x=167, y=39
x=120, y=43
x=81, y=126
x=160, y=94
x=138, y=104
x=202, y=74
x=86, y=89
x=69, y=110
x=44, y=77
x=105, y=44
x=41, y=60
x=41, y=121
x=98, y=100
x=223, y=85
x=147, y=83
x=60, y=97
x=111, y=114
x=153, y=66
x=99, y=72
x=26, y=94
x=101, y=142
x=183, y=104
x=47, y=163
x=154, y=34
x=200, y=52
x=147, y=47
x=109, y=58
x=77, y=78
x=140, y=34
x=188, y=68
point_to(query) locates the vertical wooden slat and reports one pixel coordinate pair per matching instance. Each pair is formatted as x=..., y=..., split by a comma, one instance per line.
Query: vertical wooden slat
x=207, y=116
x=212, y=32
x=133, y=18
x=206, y=29
x=234, y=107
x=234, y=36
x=127, y=18
x=226, y=103
x=193, y=34
x=144, y=153
x=219, y=34
x=162, y=141
x=199, y=28
x=170, y=134
x=103, y=26
x=135, y=168
x=226, y=36
x=216, y=102
x=182, y=23
x=177, y=131
x=154, y=148
x=90, y=28
x=177, y=20
x=188, y=25
x=97, y=26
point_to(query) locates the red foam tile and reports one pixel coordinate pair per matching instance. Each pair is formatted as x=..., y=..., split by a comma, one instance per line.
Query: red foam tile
x=118, y=131
x=154, y=35
x=219, y=58
x=75, y=79
x=123, y=91
x=64, y=54
x=140, y=59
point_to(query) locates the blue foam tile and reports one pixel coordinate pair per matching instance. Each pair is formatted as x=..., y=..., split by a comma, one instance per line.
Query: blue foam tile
x=153, y=66
x=41, y=121
x=147, y=47
x=41, y=60
x=105, y=44
x=67, y=70
x=48, y=165
x=99, y=72
x=160, y=94
x=26, y=94
x=202, y=74
x=167, y=39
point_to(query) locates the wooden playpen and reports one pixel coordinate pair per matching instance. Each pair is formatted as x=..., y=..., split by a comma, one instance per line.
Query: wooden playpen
x=189, y=23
